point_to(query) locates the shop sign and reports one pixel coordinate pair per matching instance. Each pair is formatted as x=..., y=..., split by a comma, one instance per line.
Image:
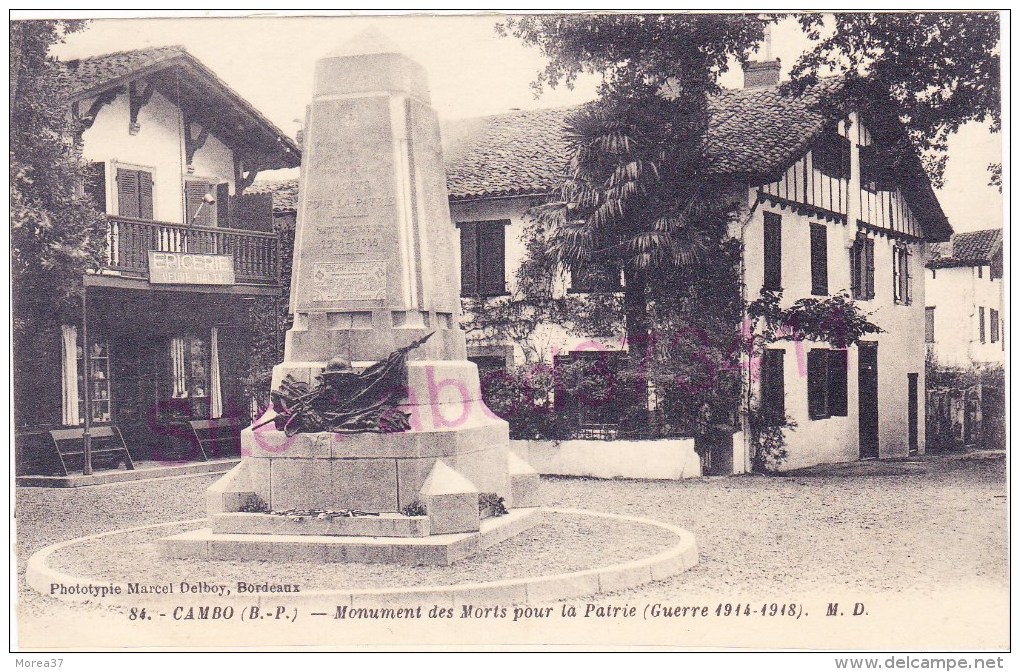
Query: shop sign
x=180, y=268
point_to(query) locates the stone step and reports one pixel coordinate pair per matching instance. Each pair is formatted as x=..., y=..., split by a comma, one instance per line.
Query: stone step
x=441, y=549
x=383, y=525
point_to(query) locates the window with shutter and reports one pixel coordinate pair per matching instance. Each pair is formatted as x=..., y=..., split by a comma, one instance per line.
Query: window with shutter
x=773, y=252
x=993, y=324
x=127, y=193
x=251, y=212
x=831, y=156
x=929, y=324
x=818, y=383
x=897, y=279
x=145, y=210
x=468, y=259
x=483, y=258
x=869, y=262
x=819, y=260
x=837, y=396
x=199, y=213
x=908, y=285
x=773, y=387
x=981, y=324
x=223, y=204
x=901, y=275
x=862, y=268
x=855, y=271
x=492, y=258
x=95, y=184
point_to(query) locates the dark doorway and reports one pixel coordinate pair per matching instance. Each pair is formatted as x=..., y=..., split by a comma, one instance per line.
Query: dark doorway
x=867, y=398
x=912, y=412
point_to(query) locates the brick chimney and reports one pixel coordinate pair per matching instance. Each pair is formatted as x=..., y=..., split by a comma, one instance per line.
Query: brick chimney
x=761, y=73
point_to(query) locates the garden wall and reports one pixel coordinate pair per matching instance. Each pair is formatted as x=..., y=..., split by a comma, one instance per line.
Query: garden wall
x=665, y=459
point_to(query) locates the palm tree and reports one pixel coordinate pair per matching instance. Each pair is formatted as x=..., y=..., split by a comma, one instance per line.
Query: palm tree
x=637, y=199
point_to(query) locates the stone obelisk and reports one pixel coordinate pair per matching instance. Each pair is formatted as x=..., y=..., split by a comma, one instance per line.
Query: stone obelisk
x=374, y=270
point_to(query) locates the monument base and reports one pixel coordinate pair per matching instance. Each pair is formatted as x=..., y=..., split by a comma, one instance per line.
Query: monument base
x=302, y=545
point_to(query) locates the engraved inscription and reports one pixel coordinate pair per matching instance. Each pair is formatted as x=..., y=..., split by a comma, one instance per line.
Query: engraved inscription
x=349, y=281
x=353, y=199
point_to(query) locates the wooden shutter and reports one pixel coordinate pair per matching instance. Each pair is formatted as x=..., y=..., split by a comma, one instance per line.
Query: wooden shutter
x=773, y=386
x=773, y=252
x=251, y=212
x=819, y=260
x=127, y=193
x=993, y=324
x=855, y=270
x=145, y=210
x=492, y=258
x=981, y=324
x=818, y=383
x=907, y=284
x=837, y=395
x=869, y=268
x=897, y=285
x=194, y=192
x=929, y=325
x=468, y=259
x=223, y=204
x=95, y=184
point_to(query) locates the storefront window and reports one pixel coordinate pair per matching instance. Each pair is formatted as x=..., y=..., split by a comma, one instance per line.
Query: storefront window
x=189, y=357
x=99, y=378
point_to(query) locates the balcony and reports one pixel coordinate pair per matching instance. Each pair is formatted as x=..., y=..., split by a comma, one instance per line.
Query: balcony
x=256, y=254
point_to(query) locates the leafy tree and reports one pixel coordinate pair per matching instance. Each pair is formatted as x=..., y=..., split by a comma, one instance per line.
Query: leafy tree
x=57, y=233
x=637, y=197
x=939, y=70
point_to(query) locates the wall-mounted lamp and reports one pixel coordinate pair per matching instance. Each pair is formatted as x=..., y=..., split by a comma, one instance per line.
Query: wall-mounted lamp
x=208, y=198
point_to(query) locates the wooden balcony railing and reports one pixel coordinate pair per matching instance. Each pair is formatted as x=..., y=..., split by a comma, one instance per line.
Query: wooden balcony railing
x=256, y=254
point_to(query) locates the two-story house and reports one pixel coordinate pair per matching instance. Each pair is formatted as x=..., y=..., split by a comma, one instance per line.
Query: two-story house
x=820, y=215
x=171, y=149
x=964, y=321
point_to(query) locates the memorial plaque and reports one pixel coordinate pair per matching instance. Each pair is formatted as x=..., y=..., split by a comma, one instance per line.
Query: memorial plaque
x=350, y=281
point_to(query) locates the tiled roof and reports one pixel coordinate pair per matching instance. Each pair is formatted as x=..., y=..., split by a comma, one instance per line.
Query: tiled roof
x=90, y=76
x=285, y=193
x=96, y=71
x=512, y=154
x=967, y=249
x=754, y=132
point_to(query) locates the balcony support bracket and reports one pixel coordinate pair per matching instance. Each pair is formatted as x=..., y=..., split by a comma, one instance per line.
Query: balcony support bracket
x=138, y=98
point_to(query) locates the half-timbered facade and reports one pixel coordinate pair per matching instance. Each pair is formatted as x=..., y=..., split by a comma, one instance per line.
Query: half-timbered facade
x=821, y=214
x=164, y=337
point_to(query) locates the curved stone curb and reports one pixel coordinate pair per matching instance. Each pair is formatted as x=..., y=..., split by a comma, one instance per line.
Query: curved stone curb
x=681, y=556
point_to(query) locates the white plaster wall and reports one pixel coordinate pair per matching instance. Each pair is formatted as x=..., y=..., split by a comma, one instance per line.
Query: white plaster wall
x=951, y=293
x=667, y=459
x=159, y=147
x=956, y=293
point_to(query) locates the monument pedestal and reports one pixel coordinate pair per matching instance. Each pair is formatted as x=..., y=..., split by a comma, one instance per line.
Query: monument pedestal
x=374, y=271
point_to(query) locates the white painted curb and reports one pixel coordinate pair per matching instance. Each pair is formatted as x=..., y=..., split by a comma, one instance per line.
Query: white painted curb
x=681, y=556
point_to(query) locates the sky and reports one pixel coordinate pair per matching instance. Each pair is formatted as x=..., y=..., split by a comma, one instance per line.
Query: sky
x=472, y=71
